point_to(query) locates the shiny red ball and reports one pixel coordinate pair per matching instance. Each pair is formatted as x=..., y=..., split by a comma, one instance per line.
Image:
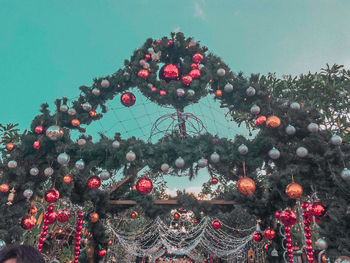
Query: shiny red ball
x=144, y=185
x=52, y=196
x=278, y=214
x=214, y=180
x=36, y=145
x=28, y=222
x=260, y=120
x=318, y=209
x=80, y=215
x=266, y=247
x=50, y=217
x=197, y=58
x=170, y=72
x=170, y=43
x=147, y=56
x=195, y=73
x=269, y=234
x=216, y=224
x=50, y=208
x=39, y=129
x=187, y=80
x=288, y=217
x=63, y=215
x=102, y=253
x=143, y=73
x=94, y=182
x=128, y=99
x=257, y=236
x=194, y=66
x=305, y=205
x=162, y=93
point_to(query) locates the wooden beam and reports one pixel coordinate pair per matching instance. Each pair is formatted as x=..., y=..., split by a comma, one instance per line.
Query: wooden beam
x=117, y=185
x=169, y=202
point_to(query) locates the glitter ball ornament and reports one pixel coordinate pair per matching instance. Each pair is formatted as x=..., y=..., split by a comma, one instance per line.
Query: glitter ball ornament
x=128, y=99
x=39, y=129
x=105, y=83
x=312, y=127
x=75, y=123
x=80, y=164
x=48, y=171
x=180, y=162
x=302, y=152
x=63, y=215
x=260, y=120
x=12, y=164
x=87, y=106
x=290, y=130
x=195, y=73
x=28, y=193
x=243, y=149
x=54, y=133
x=28, y=222
x=165, y=167
x=274, y=153
x=215, y=157
x=214, y=180
x=228, y=87
x=64, y=108
x=68, y=179
x=273, y=122
x=294, y=190
x=96, y=92
x=202, y=162
x=321, y=244
x=216, y=224
x=246, y=186
x=180, y=92
x=197, y=58
x=34, y=171
x=105, y=175
x=4, y=188
x=255, y=109
x=81, y=142
x=218, y=93
x=72, y=112
x=36, y=145
x=336, y=140
x=134, y=215
x=116, y=144
x=94, y=182
x=221, y=72
x=250, y=91
x=143, y=73
x=176, y=216
x=130, y=156
x=191, y=92
x=169, y=72
x=257, y=236
x=94, y=217
x=144, y=185
x=63, y=159
x=269, y=233
x=345, y=174
x=295, y=106
x=187, y=80
x=52, y=196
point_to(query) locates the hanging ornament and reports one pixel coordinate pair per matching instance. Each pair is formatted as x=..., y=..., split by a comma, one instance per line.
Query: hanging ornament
x=345, y=174
x=294, y=190
x=169, y=72
x=176, y=216
x=9, y=146
x=105, y=83
x=318, y=209
x=75, y=123
x=221, y=72
x=12, y=164
x=64, y=108
x=195, y=74
x=34, y=171
x=290, y=130
x=321, y=244
x=165, y=167
x=250, y=91
x=202, y=163
x=180, y=162
x=269, y=233
x=255, y=109
x=278, y=215
x=130, y=156
x=105, y=175
x=312, y=127
x=102, y=253
x=288, y=217
x=54, y=133
x=68, y=179
x=80, y=164
x=228, y=87
x=273, y=122
x=215, y=157
x=116, y=144
x=302, y=152
x=191, y=92
x=128, y=99
x=274, y=153
x=180, y=92
x=87, y=106
x=243, y=149
x=214, y=180
x=257, y=236
x=336, y=140
x=216, y=224
x=142, y=62
x=52, y=196
x=50, y=217
x=187, y=80
x=143, y=73
x=63, y=159
x=162, y=93
x=78, y=237
x=39, y=129
x=4, y=188
x=72, y=112
x=134, y=215
x=36, y=145
x=33, y=209
x=197, y=58
x=144, y=185
x=11, y=196
x=260, y=120
x=94, y=217
x=28, y=222
x=81, y=142
x=246, y=186
x=218, y=93
x=63, y=215
x=295, y=106
x=307, y=233
x=147, y=57
x=48, y=171
x=92, y=113
x=94, y=182
x=28, y=193
x=96, y=92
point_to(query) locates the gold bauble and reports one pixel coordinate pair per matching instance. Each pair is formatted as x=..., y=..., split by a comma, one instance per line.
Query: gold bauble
x=273, y=122
x=294, y=190
x=246, y=186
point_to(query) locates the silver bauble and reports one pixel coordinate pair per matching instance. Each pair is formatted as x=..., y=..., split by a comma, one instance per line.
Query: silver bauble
x=215, y=157
x=12, y=164
x=116, y=144
x=336, y=140
x=130, y=156
x=105, y=175
x=64, y=108
x=34, y=171
x=165, y=167
x=202, y=162
x=96, y=92
x=87, y=106
x=290, y=130
x=191, y=92
x=255, y=109
x=295, y=106
x=105, y=83
x=2, y=244
x=221, y=72
x=180, y=162
x=243, y=149
x=80, y=164
x=321, y=244
x=72, y=112
x=54, y=133
x=28, y=193
x=302, y=152
x=345, y=174
x=48, y=171
x=81, y=142
x=63, y=159
x=180, y=92
x=274, y=153
x=228, y=87
x=250, y=91
x=312, y=127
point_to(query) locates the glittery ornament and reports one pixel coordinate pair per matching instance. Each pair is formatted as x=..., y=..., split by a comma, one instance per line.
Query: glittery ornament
x=169, y=72
x=105, y=83
x=134, y=215
x=295, y=106
x=345, y=174
x=273, y=122
x=197, y=58
x=80, y=164
x=28, y=222
x=250, y=91
x=72, y=112
x=216, y=224
x=312, y=127
x=94, y=217
x=68, y=179
x=130, y=156
x=243, y=149
x=260, y=120
x=48, y=171
x=228, y=87
x=302, y=152
x=202, y=163
x=96, y=92
x=290, y=130
x=94, y=182
x=214, y=180
x=12, y=164
x=294, y=190
x=34, y=171
x=28, y=193
x=54, y=133
x=39, y=129
x=176, y=216
x=246, y=186
x=50, y=217
x=105, y=175
x=318, y=209
x=52, y=196
x=64, y=108
x=63, y=159
x=288, y=217
x=221, y=72
x=257, y=236
x=180, y=92
x=128, y=99
x=81, y=142
x=274, y=153
x=165, y=167
x=187, y=80
x=143, y=73
x=144, y=185
x=215, y=157
x=255, y=109
x=115, y=144
x=63, y=215
x=336, y=140
x=195, y=73
x=180, y=162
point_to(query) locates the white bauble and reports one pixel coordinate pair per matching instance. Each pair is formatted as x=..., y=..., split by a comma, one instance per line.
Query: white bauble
x=105, y=83
x=105, y=175
x=116, y=144
x=48, y=171
x=221, y=72
x=180, y=162
x=202, y=162
x=215, y=157
x=130, y=156
x=63, y=159
x=302, y=152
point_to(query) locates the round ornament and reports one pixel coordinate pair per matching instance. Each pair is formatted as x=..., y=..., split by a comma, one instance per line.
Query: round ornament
x=116, y=144
x=81, y=142
x=48, y=171
x=130, y=156
x=80, y=164
x=102, y=253
x=162, y=92
x=52, y=196
x=294, y=190
x=68, y=179
x=143, y=73
x=336, y=140
x=214, y=180
x=260, y=120
x=250, y=91
x=72, y=112
x=288, y=217
x=274, y=153
x=197, y=58
x=312, y=127
x=278, y=214
x=243, y=149
x=202, y=162
x=194, y=66
x=269, y=233
x=92, y=113
x=255, y=109
x=215, y=157
x=180, y=92
x=144, y=185
x=216, y=224
x=105, y=175
x=87, y=106
x=165, y=167
x=75, y=123
x=4, y=188
x=273, y=122
x=94, y=217
x=9, y=146
x=187, y=80
x=257, y=236
x=321, y=244
x=318, y=209
x=218, y=93
x=96, y=92
x=302, y=152
x=295, y=106
x=63, y=215
x=63, y=159
x=64, y=108
x=28, y=193
x=12, y=164
x=228, y=87
x=191, y=92
x=345, y=174
x=290, y=130
x=54, y=133
x=36, y=145
x=105, y=83
x=180, y=162
x=50, y=217
x=195, y=73
x=246, y=186
x=94, y=182
x=128, y=99
x=176, y=216
x=39, y=129
x=221, y=72
x=34, y=171
x=28, y=222
x=134, y=215
x=169, y=72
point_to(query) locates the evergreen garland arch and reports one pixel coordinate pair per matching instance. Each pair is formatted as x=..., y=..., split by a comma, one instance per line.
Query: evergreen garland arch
x=319, y=171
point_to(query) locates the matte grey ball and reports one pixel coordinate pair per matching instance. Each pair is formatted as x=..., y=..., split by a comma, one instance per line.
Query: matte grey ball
x=34, y=171
x=96, y=92
x=345, y=174
x=255, y=109
x=302, y=152
x=64, y=108
x=321, y=244
x=243, y=149
x=250, y=91
x=202, y=163
x=105, y=83
x=336, y=140
x=221, y=72
x=80, y=164
x=274, y=153
x=312, y=127
x=228, y=87
x=105, y=175
x=215, y=157
x=116, y=144
x=295, y=106
x=63, y=159
x=48, y=171
x=180, y=162
x=290, y=130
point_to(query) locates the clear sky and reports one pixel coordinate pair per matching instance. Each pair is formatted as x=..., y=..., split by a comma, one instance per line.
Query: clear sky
x=48, y=48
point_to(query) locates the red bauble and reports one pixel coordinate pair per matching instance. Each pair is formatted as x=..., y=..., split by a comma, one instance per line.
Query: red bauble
x=94, y=182
x=266, y=247
x=260, y=120
x=28, y=222
x=257, y=236
x=63, y=215
x=75, y=122
x=214, y=180
x=216, y=224
x=269, y=234
x=187, y=80
x=10, y=146
x=128, y=99
x=194, y=66
x=144, y=185
x=50, y=208
x=36, y=145
x=288, y=217
x=196, y=221
x=143, y=73
x=170, y=43
x=147, y=56
x=195, y=73
x=92, y=113
x=278, y=214
x=162, y=93
x=305, y=205
x=52, y=196
x=318, y=209
x=102, y=253
x=39, y=129
x=50, y=217
x=176, y=216
x=273, y=122
x=218, y=93
x=169, y=72
x=197, y=58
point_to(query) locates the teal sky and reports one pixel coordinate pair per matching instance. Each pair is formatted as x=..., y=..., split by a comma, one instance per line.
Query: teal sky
x=48, y=48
